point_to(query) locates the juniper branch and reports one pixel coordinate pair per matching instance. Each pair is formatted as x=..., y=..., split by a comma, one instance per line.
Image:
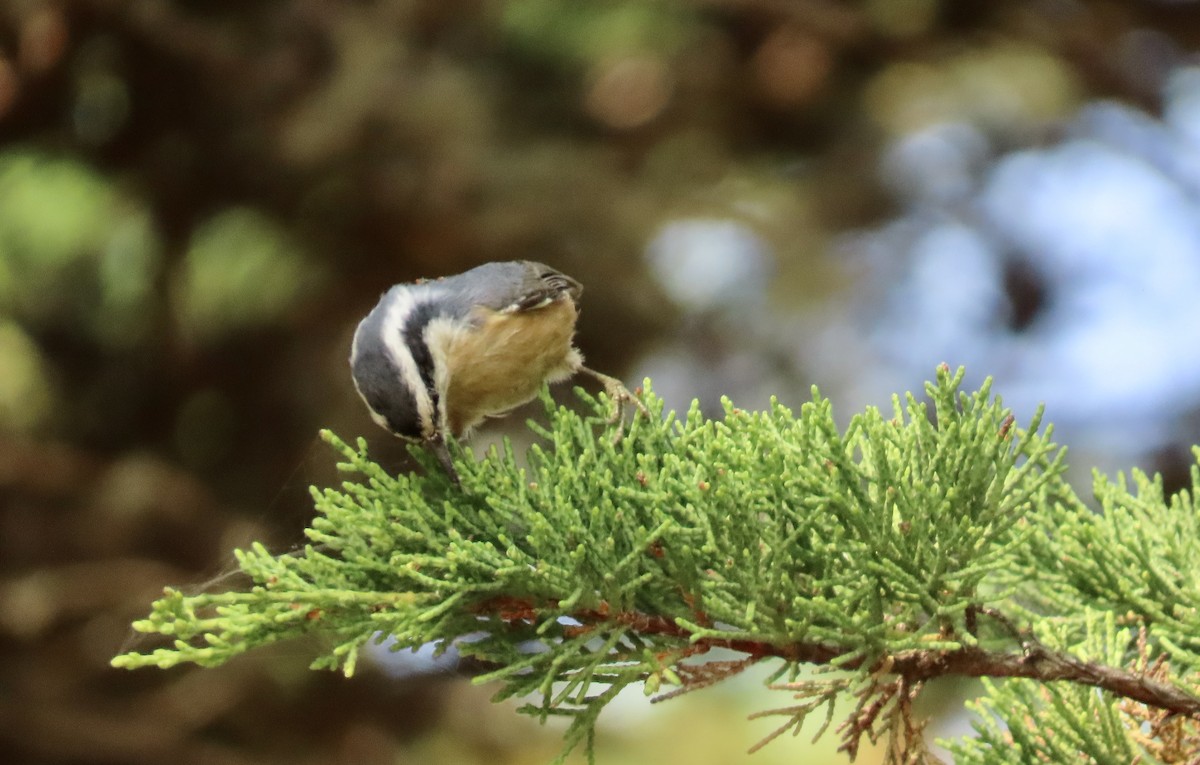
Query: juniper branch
x=915, y=666
x=873, y=550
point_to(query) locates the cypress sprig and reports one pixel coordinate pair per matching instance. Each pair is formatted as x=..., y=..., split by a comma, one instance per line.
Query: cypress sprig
x=940, y=539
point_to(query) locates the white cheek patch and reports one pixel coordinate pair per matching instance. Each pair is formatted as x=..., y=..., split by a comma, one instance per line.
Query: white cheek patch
x=402, y=305
x=440, y=336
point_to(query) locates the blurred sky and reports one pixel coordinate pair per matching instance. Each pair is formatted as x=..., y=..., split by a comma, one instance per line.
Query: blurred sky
x=1068, y=271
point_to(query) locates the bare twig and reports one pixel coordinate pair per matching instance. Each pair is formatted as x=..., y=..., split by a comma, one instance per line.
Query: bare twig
x=1035, y=662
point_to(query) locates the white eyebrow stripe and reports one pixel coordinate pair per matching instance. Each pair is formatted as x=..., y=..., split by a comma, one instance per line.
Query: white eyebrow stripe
x=401, y=305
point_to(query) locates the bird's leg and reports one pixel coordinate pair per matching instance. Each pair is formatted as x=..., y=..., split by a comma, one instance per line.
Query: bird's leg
x=619, y=395
x=437, y=444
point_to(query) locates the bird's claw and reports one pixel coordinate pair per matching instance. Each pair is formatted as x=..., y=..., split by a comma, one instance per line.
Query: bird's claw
x=620, y=396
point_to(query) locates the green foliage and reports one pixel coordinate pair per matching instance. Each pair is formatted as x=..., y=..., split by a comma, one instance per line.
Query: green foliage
x=1139, y=557
x=940, y=532
x=241, y=270
x=74, y=249
x=1075, y=723
x=570, y=31
x=26, y=398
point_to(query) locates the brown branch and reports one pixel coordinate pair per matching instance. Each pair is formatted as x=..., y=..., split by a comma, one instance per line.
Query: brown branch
x=1048, y=666
x=915, y=666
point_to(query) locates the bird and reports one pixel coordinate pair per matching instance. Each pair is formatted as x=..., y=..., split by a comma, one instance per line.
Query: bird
x=436, y=357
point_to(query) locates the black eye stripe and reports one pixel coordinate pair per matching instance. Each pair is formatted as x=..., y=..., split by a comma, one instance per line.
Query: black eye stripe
x=413, y=336
x=375, y=375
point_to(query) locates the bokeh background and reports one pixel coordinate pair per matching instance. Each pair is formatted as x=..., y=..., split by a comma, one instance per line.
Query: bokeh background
x=199, y=199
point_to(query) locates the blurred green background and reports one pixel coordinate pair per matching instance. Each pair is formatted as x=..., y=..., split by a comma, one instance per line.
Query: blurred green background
x=198, y=201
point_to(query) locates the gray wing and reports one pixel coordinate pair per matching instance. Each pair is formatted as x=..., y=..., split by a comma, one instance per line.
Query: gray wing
x=518, y=285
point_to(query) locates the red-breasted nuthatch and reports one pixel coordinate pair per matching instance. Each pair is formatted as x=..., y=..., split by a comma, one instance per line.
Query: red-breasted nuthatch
x=437, y=357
